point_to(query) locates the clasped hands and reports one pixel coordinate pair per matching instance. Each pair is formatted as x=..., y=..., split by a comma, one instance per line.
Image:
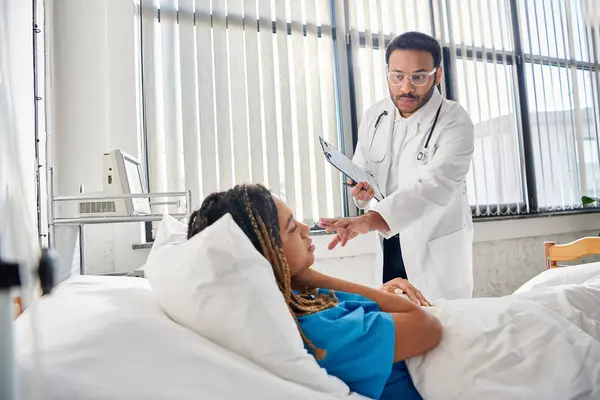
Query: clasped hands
x=311, y=278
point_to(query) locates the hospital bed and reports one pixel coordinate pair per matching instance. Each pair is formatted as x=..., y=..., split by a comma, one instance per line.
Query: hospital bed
x=106, y=337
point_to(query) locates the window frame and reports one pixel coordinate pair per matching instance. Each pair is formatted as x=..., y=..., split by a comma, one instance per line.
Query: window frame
x=524, y=60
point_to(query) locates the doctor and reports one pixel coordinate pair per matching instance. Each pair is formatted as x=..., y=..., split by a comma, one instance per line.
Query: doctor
x=418, y=147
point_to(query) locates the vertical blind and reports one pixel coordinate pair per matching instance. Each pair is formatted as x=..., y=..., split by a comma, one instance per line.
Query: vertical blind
x=239, y=91
x=479, y=35
x=560, y=58
x=560, y=41
x=373, y=23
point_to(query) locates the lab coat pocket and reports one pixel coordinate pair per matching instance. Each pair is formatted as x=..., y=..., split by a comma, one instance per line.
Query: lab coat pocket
x=449, y=255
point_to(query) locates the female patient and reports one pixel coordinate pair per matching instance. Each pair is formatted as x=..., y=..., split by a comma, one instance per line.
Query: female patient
x=358, y=334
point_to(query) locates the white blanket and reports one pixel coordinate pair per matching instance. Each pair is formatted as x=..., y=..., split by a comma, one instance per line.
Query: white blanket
x=104, y=338
x=542, y=342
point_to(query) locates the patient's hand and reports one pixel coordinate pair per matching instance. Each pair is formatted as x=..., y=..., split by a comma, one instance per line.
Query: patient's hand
x=402, y=286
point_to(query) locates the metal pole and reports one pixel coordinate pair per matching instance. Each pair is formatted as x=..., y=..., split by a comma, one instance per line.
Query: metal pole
x=8, y=372
x=89, y=197
x=82, y=269
x=347, y=110
x=188, y=202
x=530, y=177
x=113, y=220
x=51, y=228
x=36, y=99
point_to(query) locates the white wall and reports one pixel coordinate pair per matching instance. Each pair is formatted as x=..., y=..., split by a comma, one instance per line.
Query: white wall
x=508, y=253
x=94, y=110
x=18, y=228
x=20, y=63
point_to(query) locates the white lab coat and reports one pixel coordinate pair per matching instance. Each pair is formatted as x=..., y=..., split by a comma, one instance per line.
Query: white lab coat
x=430, y=209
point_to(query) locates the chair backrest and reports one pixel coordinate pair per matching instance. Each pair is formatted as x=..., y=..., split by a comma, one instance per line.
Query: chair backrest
x=571, y=251
x=18, y=305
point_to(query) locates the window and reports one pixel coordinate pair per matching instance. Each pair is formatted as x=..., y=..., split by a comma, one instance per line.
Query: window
x=480, y=43
x=495, y=178
x=524, y=70
x=559, y=50
x=239, y=91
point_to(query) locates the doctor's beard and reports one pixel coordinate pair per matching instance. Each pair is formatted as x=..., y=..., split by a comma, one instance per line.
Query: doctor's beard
x=420, y=101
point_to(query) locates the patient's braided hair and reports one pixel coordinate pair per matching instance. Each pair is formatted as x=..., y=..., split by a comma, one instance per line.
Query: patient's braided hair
x=253, y=209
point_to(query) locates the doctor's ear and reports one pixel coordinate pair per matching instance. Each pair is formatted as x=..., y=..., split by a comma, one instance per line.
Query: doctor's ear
x=439, y=75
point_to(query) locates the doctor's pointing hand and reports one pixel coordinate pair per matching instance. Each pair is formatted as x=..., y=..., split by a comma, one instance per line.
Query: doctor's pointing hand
x=418, y=147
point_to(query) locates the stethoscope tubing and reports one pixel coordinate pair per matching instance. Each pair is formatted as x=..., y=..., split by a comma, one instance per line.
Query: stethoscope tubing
x=421, y=154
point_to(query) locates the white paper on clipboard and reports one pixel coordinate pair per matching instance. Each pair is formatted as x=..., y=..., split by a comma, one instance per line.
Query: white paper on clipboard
x=348, y=167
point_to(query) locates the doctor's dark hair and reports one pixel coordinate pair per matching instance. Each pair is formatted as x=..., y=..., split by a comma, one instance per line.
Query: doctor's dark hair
x=254, y=211
x=415, y=41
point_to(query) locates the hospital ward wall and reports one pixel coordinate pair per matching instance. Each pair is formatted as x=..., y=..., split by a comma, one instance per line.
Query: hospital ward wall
x=20, y=69
x=92, y=89
x=94, y=109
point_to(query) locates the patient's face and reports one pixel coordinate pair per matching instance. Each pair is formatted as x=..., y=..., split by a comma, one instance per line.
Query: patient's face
x=297, y=245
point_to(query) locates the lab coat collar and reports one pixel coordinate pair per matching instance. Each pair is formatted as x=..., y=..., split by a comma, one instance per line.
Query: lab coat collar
x=426, y=113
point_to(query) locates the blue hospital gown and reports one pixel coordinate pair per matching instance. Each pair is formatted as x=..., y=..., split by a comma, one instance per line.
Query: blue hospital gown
x=359, y=340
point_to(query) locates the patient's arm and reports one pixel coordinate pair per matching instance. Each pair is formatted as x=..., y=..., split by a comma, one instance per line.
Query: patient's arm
x=387, y=302
x=416, y=330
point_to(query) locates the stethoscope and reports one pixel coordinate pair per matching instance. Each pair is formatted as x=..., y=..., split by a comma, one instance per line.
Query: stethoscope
x=381, y=115
x=423, y=155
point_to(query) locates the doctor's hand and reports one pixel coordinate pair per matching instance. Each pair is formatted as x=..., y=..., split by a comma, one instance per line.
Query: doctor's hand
x=402, y=286
x=348, y=228
x=361, y=191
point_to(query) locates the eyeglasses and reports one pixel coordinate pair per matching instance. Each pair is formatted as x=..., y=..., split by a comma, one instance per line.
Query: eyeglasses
x=416, y=78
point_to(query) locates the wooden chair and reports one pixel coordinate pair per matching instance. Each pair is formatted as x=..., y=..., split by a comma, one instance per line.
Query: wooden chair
x=18, y=304
x=571, y=251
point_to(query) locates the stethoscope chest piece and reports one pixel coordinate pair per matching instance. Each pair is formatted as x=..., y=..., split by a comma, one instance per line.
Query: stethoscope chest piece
x=423, y=155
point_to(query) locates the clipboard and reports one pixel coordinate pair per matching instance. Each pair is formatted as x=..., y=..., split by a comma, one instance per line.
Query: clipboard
x=347, y=167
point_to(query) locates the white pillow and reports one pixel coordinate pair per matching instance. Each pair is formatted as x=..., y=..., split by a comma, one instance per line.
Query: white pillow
x=574, y=274
x=171, y=231
x=90, y=322
x=219, y=286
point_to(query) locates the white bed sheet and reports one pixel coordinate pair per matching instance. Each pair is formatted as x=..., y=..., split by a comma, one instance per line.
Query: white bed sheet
x=107, y=338
x=542, y=342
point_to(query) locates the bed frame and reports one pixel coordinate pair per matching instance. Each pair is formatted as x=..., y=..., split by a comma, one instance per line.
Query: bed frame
x=583, y=247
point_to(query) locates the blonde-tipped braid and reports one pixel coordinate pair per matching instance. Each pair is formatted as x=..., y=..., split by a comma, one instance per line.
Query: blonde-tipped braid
x=299, y=305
